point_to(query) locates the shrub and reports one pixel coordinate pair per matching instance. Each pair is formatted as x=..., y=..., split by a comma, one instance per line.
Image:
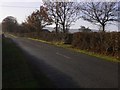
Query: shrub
x=103, y=43
x=68, y=38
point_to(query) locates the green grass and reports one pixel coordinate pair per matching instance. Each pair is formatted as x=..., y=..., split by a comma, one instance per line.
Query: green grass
x=12, y=35
x=39, y=40
x=16, y=72
x=103, y=57
x=69, y=47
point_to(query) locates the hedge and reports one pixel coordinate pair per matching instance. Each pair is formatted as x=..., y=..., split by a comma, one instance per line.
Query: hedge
x=107, y=43
x=104, y=43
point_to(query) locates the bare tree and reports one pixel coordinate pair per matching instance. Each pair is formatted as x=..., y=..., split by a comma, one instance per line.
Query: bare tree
x=99, y=13
x=64, y=13
x=52, y=11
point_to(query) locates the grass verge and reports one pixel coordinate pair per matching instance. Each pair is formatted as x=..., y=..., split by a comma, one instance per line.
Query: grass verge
x=69, y=47
x=16, y=71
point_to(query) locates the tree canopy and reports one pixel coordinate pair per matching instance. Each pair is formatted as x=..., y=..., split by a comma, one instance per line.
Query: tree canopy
x=63, y=13
x=38, y=19
x=9, y=24
x=99, y=13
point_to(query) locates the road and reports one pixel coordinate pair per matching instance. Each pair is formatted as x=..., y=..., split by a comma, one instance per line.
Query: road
x=69, y=69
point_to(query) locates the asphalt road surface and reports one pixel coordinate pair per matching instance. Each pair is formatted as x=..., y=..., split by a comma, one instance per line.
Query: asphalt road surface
x=69, y=69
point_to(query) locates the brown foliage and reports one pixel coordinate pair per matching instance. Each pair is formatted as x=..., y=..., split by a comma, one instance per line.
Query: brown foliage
x=103, y=43
x=9, y=24
x=45, y=36
x=38, y=20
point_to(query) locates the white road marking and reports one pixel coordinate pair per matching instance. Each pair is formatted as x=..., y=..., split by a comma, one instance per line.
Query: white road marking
x=63, y=55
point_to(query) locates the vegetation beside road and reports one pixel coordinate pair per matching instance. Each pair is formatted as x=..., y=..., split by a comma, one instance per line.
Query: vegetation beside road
x=108, y=40
x=16, y=72
x=70, y=47
x=77, y=49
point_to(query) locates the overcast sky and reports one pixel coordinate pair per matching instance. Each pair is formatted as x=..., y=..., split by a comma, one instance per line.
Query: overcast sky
x=21, y=10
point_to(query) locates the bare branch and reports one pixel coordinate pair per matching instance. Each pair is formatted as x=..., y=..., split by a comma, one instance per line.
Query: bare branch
x=99, y=12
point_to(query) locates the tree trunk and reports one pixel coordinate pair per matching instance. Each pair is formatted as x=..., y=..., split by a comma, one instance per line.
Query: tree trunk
x=64, y=28
x=39, y=30
x=103, y=27
x=56, y=29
